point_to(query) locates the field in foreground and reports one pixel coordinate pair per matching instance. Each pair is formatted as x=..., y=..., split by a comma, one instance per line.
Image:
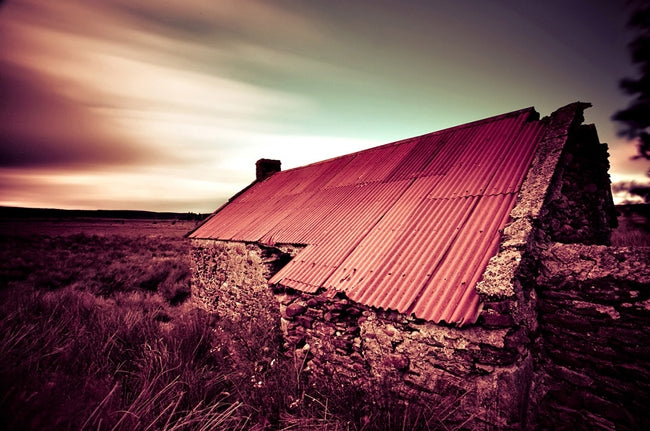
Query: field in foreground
x=99, y=330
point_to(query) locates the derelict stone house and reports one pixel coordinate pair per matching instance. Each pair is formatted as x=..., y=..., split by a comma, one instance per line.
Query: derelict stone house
x=468, y=266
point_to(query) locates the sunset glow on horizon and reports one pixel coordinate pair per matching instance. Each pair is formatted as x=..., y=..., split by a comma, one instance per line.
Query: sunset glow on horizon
x=166, y=106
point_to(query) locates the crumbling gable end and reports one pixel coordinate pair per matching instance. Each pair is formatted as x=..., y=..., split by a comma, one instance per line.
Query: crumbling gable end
x=579, y=207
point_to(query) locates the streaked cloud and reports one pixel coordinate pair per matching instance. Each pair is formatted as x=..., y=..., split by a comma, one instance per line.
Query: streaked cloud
x=107, y=100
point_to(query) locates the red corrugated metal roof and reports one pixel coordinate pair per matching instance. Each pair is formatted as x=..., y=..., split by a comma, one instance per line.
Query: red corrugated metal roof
x=408, y=226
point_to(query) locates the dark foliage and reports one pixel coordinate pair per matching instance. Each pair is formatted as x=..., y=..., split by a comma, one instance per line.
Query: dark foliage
x=641, y=190
x=636, y=117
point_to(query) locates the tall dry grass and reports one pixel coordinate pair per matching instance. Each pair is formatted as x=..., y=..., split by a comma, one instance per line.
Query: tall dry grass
x=100, y=333
x=73, y=360
x=95, y=333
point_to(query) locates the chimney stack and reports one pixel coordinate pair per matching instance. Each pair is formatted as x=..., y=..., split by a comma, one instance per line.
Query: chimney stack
x=264, y=168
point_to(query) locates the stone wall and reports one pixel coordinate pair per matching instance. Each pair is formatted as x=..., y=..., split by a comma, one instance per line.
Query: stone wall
x=591, y=368
x=230, y=280
x=476, y=376
x=593, y=364
x=578, y=359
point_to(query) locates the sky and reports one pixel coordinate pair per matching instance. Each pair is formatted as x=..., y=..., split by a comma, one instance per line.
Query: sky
x=166, y=105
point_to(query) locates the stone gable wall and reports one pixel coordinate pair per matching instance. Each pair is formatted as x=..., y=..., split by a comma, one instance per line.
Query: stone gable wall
x=579, y=206
x=230, y=280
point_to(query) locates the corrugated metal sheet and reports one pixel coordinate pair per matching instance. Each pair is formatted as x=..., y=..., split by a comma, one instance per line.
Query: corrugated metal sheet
x=408, y=226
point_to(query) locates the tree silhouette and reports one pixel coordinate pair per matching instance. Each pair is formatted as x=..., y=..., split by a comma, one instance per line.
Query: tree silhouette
x=636, y=117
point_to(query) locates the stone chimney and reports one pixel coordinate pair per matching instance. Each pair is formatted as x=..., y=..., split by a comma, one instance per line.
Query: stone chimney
x=264, y=168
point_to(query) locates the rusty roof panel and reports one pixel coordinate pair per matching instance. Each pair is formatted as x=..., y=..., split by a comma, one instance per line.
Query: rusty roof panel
x=314, y=217
x=455, y=145
x=397, y=274
x=299, y=285
x=225, y=223
x=514, y=163
x=449, y=295
x=271, y=213
x=363, y=262
x=408, y=226
x=329, y=170
x=479, y=160
x=335, y=243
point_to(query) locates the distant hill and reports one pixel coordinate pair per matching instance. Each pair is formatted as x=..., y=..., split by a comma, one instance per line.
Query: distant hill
x=49, y=213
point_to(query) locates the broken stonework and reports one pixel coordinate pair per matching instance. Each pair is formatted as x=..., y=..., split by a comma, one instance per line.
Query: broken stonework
x=579, y=207
x=340, y=341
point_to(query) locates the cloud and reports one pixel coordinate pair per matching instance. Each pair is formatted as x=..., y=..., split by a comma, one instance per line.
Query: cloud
x=226, y=19
x=625, y=165
x=40, y=127
x=126, y=95
x=189, y=132
x=72, y=84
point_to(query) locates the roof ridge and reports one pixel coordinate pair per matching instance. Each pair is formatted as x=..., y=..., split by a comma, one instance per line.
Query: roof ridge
x=534, y=116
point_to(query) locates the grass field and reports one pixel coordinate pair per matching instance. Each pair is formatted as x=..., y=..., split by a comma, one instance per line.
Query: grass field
x=99, y=331
x=95, y=226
